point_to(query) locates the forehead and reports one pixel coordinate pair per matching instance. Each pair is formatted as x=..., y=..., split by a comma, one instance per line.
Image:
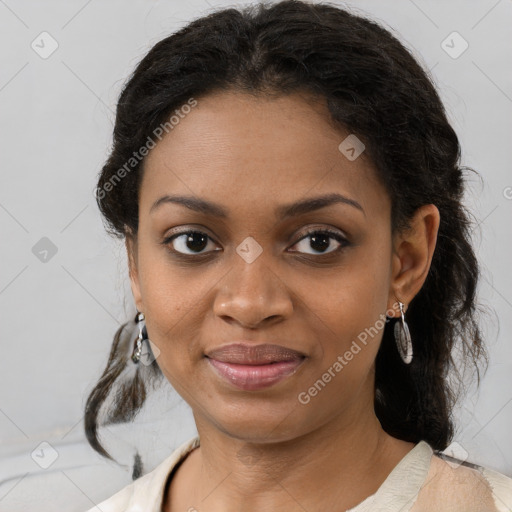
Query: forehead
x=247, y=152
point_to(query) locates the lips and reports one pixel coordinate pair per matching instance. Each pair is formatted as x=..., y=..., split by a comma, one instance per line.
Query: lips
x=253, y=367
x=243, y=353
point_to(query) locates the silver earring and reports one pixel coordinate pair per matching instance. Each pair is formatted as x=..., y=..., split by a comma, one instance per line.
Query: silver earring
x=403, y=337
x=137, y=346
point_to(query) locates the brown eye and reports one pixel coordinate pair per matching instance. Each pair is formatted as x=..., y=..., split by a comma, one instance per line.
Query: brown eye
x=321, y=242
x=193, y=241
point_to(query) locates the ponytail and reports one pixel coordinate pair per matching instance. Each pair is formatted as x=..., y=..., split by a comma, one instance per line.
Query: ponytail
x=123, y=380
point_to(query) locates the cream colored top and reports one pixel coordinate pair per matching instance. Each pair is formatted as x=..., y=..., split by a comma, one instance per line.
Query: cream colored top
x=422, y=481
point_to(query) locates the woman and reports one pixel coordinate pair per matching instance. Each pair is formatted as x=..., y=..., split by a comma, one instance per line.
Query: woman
x=289, y=190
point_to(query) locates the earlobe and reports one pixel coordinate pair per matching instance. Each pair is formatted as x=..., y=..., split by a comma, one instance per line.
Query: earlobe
x=413, y=250
x=131, y=252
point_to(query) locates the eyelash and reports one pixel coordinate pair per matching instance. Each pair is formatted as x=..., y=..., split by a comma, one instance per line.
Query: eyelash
x=324, y=231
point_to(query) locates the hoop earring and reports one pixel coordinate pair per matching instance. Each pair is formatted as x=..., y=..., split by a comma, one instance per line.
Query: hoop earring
x=137, y=346
x=403, y=337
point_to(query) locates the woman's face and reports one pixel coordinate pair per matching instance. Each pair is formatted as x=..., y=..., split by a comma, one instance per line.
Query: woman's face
x=253, y=274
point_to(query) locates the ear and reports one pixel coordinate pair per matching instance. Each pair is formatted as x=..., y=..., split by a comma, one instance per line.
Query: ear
x=131, y=250
x=412, y=255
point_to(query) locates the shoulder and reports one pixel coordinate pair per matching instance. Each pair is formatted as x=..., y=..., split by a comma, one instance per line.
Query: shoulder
x=146, y=493
x=453, y=484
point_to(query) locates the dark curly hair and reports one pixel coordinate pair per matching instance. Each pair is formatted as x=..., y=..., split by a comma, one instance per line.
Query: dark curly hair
x=377, y=90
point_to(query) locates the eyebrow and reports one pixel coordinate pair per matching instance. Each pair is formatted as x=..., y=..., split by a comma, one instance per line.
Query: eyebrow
x=297, y=208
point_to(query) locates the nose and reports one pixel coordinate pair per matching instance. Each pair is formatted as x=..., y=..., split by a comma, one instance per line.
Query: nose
x=253, y=295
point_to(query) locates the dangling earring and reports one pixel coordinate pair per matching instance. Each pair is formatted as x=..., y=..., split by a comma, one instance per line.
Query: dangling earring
x=137, y=346
x=403, y=337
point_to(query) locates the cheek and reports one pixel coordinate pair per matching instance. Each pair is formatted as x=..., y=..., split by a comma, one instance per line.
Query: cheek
x=351, y=303
x=173, y=308
x=343, y=375
x=169, y=291
x=352, y=298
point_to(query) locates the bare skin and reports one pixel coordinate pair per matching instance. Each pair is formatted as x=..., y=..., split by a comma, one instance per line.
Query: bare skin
x=250, y=156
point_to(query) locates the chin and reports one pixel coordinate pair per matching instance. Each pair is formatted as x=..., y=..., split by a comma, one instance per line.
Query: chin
x=252, y=423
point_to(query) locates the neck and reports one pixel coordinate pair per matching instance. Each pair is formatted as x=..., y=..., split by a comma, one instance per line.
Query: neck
x=336, y=465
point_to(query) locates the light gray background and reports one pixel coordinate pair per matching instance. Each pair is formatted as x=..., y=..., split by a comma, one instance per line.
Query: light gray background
x=59, y=315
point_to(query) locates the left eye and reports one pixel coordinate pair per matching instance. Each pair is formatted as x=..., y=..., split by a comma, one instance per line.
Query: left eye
x=321, y=240
x=194, y=241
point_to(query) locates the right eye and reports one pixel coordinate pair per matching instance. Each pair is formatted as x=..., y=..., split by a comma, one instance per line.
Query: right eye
x=194, y=241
